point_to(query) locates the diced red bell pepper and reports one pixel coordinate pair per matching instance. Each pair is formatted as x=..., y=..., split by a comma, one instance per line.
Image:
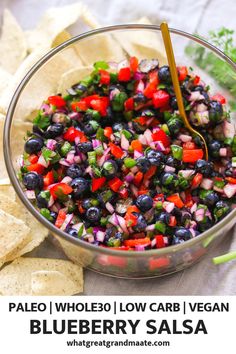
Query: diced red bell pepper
x=98, y=183
x=132, y=209
x=136, y=145
x=159, y=198
x=72, y=133
x=188, y=199
x=175, y=198
x=124, y=193
x=182, y=72
x=33, y=158
x=220, y=98
x=100, y=105
x=60, y=189
x=104, y=77
x=79, y=106
x=116, y=150
x=133, y=62
x=141, y=120
x=48, y=179
x=124, y=74
x=160, y=98
x=137, y=242
x=90, y=98
x=196, y=80
x=231, y=180
x=150, y=173
x=189, y=145
x=129, y=104
x=36, y=167
x=192, y=155
x=138, y=179
x=160, y=243
x=197, y=180
x=115, y=184
x=173, y=221
x=160, y=262
x=108, y=132
x=160, y=135
x=61, y=217
x=142, y=190
x=131, y=219
x=57, y=101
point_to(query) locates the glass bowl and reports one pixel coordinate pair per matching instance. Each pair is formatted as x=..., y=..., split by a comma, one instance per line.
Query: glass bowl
x=113, y=43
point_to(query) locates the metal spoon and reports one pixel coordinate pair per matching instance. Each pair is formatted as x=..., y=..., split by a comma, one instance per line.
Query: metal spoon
x=174, y=75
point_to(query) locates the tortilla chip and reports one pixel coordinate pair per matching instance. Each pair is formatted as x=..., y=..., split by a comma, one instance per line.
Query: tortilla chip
x=14, y=234
x=89, y=19
x=37, y=232
x=5, y=79
x=72, y=77
x=6, y=189
x=16, y=278
x=54, y=21
x=61, y=38
x=137, y=43
x=53, y=283
x=13, y=47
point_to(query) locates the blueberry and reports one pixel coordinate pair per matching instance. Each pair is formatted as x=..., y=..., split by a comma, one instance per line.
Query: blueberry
x=164, y=74
x=80, y=185
x=169, y=179
x=144, y=202
x=141, y=223
x=215, y=111
x=54, y=130
x=87, y=203
x=139, y=98
x=173, y=103
x=85, y=147
x=89, y=129
x=33, y=145
x=117, y=127
x=41, y=201
x=74, y=171
x=79, y=88
x=199, y=88
x=171, y=161
x=211, y=199
x=32, y=180
x=204, y=167
x=155, y=157
x=143, y=164
x=109, y=169
x=93, y=214
x=183, y=233
x=214, y=148
x=163, y=217
x=177, y=241
x=206, y=224
x=73, y=232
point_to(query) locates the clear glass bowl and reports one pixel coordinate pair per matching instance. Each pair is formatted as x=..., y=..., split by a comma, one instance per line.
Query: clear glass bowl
x=112, y=44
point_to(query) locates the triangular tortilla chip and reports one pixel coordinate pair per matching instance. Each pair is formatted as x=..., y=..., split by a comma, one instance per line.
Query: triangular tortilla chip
x=73, y=76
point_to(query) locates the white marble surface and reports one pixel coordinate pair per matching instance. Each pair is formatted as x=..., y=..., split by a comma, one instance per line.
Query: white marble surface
x=198, y=15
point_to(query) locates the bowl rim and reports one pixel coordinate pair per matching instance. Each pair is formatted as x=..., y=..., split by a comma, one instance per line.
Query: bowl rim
x=16, y=184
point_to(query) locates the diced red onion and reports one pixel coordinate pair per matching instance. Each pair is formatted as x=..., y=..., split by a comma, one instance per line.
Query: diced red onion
x=219, y=190
x=77, y=140
x=168, y=206
x=193, y=208
x=30, y=194
x=70, y=157
x=113, y=93
x=228, y=129
x=223, y=152
x=201, y=107
x=142, y=139
x=230, y=190
x=138, y=76
x=64, y=162
x=159, y=146
x=77, y=159
x=100, y=236
x=196, y=96
x=140, y=87
x=89, y=170
x=185, y=138
x=150, y=227
x=66, y=180
x=137, y=154
x=113, y=220
x=96, y=143
x=148, y=136
x=74, y=115
x=153, y=243
x=192, y=232
x=199, y=214
x=186, y=173
x=124, y=142
x=140, y=248
x=109, y=208
x=90, y=238
x=51, y=144
x=134, y=169
x=50, y=202
x=207, y=183
x=129, y=177
x=122, y=224
x=20, y=161
x=169, y=168
x=149, y=121
x=42, y=161
x=149, y=214
x=46, y=108
x=112, y=65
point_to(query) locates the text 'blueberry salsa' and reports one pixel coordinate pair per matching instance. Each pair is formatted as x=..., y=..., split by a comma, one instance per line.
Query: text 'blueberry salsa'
x=112, y=164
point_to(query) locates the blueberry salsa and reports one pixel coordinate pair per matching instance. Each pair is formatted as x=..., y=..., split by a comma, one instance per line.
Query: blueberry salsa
x=112, y=164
